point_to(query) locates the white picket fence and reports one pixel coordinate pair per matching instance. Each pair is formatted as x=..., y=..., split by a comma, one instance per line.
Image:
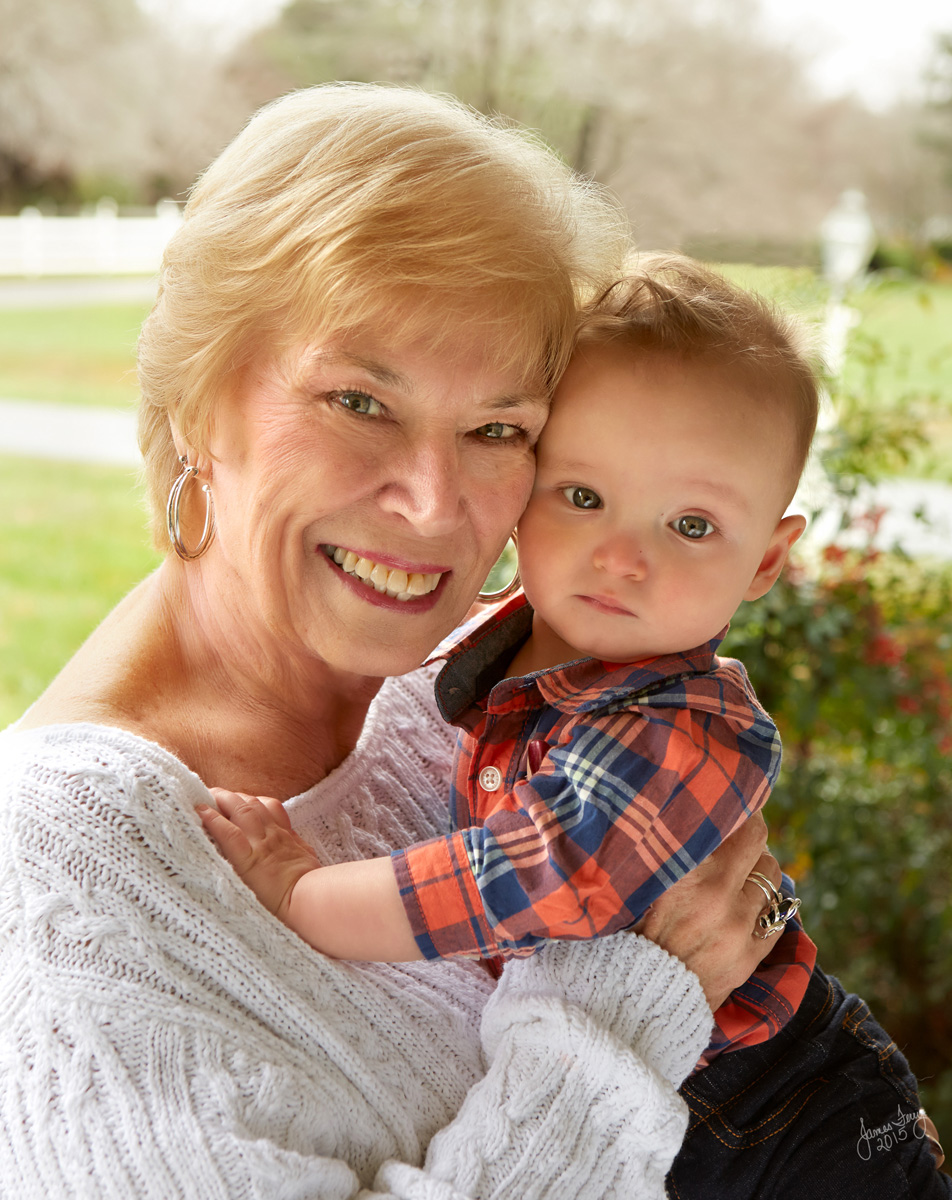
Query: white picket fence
x=97, y=243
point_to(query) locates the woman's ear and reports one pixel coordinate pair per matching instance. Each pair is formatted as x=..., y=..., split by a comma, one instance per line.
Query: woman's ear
x=183, y=449
x=179, y=442
x=782, y=539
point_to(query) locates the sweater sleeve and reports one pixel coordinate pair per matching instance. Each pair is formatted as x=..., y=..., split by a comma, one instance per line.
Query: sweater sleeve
x=586, y=1044
x=162, y=1037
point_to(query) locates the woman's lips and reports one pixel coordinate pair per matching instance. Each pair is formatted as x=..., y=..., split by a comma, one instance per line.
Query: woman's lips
x=394, y=582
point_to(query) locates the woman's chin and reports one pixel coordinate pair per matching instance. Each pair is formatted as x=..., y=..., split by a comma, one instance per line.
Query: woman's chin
x=376, y=638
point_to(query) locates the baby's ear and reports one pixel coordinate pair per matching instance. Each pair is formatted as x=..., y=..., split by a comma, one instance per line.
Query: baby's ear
x=783, y=537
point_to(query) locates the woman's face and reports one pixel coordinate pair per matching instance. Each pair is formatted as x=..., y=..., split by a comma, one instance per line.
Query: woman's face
x=353, y=459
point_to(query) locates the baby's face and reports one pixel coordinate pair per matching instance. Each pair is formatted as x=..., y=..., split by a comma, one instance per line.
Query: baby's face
x=658, y=493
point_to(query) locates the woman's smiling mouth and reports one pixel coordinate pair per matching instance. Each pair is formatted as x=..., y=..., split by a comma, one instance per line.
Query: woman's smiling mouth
x=389, y=581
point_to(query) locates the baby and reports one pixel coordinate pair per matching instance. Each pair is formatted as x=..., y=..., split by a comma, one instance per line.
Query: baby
x=604, y=749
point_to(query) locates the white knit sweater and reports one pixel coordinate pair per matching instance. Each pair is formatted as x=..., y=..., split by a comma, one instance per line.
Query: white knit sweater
x=162, y=1036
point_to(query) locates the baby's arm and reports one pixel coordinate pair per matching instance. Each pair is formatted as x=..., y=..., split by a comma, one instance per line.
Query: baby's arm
x=348, y=910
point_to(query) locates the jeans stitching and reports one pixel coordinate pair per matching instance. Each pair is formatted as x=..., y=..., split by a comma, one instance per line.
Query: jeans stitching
x=690, y=1095
x=853, y=1023
x=705, y=1114
x=740, y=1139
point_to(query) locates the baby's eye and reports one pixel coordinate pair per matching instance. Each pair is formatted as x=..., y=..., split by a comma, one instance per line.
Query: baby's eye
x=359, y=402
x=582, y=497
x=694, y=527
x=498, y=431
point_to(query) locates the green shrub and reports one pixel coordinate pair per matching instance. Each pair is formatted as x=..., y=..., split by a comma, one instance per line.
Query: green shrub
x=851, y=652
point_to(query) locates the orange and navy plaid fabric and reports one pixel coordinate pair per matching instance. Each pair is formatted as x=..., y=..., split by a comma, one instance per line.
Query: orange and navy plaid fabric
x=612, y=782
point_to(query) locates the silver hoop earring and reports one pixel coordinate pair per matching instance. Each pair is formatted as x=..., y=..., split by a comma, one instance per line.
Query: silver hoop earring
x=172, y=514
x=508, y=589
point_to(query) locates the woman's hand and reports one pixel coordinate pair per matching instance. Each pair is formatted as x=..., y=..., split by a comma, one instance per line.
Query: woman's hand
x=255, y=836
x=708, y=918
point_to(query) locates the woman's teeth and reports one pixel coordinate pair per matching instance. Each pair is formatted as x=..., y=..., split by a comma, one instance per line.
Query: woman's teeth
x=394, y=583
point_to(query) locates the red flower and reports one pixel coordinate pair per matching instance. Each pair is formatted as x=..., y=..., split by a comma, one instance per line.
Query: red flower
x=883, y=651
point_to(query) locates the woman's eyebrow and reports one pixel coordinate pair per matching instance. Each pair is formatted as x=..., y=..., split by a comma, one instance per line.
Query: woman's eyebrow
x=520, y=400
x=380, y=372
x=386, y=375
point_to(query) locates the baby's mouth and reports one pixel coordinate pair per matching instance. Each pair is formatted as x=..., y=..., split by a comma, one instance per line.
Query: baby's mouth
x=389, y=581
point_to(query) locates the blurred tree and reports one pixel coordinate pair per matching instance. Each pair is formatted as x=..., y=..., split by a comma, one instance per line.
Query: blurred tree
x=910, y=182
x=94, y=95
x=705, y=128
x=46, y=98
x=709, y=132
x=939, y=81
x=315, y=41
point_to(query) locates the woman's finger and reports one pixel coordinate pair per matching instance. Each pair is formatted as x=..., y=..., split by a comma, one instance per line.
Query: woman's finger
x=758, y=892
x=711, y=918
x=738, y=855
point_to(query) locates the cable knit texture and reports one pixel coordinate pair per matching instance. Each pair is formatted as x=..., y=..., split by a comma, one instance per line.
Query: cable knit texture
x=163, y=1037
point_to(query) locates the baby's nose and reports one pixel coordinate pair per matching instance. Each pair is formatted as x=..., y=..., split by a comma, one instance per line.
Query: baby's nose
x=622, y=555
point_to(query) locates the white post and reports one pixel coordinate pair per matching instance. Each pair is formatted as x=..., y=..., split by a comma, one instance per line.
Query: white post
x=848, y=240
x=30, y=228
x=107, y=249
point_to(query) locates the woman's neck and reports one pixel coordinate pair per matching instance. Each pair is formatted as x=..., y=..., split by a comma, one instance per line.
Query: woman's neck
x=237, y=715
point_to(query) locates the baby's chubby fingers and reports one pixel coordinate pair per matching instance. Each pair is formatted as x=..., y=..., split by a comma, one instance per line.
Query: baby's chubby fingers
x=275, y=810
x=251, y=813
x=254, y=834
x=231, y=841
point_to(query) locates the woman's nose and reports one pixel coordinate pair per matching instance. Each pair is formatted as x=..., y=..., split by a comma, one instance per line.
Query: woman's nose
x=424, y=487
x=622, y=555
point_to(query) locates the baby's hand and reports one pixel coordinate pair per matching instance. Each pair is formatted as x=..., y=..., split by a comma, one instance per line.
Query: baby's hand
x=255, y=835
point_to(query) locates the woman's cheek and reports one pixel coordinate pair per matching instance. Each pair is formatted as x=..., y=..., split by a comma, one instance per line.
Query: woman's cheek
x=523, y=478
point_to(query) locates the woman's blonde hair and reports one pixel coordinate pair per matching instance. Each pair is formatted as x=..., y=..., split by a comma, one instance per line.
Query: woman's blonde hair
x=351, y=206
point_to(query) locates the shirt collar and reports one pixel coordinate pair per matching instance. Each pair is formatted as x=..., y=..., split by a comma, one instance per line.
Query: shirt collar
x=473, y=667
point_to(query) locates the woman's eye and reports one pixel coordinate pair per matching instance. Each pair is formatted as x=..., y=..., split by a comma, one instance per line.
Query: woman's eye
x=694, y=527
x=359, y=402
x=582, y=497
x=497, y=431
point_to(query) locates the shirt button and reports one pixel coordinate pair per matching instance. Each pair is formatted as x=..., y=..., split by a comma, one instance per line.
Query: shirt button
x=490, y=779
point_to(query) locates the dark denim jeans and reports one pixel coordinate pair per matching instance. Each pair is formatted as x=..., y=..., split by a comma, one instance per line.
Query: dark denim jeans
x=823, y=1111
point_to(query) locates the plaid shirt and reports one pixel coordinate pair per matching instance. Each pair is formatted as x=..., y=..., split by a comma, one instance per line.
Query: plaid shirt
x=582, y=793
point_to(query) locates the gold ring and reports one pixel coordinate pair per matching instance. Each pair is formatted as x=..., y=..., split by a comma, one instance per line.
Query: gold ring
x=779, y=908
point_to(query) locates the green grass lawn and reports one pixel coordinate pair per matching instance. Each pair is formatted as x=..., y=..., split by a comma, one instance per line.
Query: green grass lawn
x=914, y=323
x=73, y=542
x=81, y=355
x=910, y=327
x=900, y=353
